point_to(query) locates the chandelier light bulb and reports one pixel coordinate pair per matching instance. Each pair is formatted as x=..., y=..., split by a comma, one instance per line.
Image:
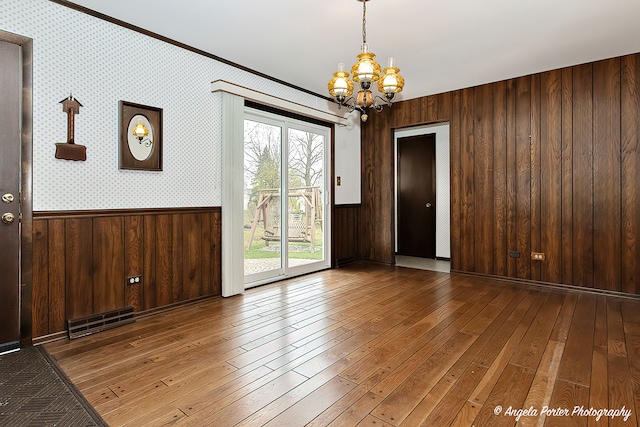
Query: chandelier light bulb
x=366, y=70
x=340, y=86
x=391, y=82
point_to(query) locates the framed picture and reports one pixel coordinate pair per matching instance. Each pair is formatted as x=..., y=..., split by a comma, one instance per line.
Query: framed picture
x=140, y=137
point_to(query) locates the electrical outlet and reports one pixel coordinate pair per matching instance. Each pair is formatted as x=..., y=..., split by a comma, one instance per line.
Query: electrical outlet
x=537, y=256
x=338, y=181
x=134, y=280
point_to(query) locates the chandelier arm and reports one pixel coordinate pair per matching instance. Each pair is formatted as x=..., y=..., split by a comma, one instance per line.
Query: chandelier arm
x=349, y=103
x=387, y=102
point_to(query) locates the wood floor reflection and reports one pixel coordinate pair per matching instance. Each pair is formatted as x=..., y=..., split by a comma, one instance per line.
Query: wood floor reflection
x=367, y=345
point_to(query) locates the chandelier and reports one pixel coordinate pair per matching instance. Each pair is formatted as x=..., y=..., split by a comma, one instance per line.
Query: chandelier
x=365, y=72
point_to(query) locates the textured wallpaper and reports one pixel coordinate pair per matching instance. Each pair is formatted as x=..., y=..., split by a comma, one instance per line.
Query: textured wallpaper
x=101, y=64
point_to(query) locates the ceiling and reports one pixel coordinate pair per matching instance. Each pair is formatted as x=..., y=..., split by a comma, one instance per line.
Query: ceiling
x=439, y=45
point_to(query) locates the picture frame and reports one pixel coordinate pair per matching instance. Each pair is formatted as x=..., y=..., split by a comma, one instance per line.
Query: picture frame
x=142, y=151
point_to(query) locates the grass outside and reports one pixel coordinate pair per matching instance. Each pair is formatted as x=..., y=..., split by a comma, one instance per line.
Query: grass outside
x=297, y=250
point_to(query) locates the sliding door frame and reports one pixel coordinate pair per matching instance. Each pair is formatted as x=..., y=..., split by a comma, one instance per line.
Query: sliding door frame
x=286, y=123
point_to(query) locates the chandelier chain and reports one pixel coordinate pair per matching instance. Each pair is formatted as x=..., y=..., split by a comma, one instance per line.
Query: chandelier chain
x=364, y=21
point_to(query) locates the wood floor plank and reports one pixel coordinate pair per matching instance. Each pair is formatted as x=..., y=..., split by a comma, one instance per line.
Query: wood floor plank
x=242, y=408
x=349, y=416
x=576, y=362
x=534, y=342
x=486, y=336
x=561, y=330
x=401, y=366
x=371, y=421
x=632, y=338
x=203, y=397
x=366, y=345
x=520, y=318
x=441, y=410
x=630, y=310
x=183, y=366
x=620, y=380
x=568, y=395
x=285, y=402
x=541, y=390
x=161, y=396
x=406, y=397
x=385, y=319
x=314, y=404
x=402, y=399
x=599, y=385
x=508, y=394
x=161, y=416
x=514, y=331
x=466, y=415
x=311, y=349
x=378, y=356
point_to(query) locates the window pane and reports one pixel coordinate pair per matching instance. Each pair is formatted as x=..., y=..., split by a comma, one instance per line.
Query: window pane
x=306, y=195
x=262, y=202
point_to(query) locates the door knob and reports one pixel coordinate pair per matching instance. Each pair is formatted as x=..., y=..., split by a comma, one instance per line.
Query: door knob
x=8, y=218
x=7, y=198
x=428, y=205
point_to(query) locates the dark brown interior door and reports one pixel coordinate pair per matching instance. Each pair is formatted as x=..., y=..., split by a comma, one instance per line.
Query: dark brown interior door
x=10, y=91
x=417, y=196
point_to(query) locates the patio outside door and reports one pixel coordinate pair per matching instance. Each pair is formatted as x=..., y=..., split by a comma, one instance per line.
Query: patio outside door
x=285, y=198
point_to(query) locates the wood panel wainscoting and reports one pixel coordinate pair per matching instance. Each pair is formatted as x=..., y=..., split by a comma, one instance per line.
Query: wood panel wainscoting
x=548, y=162
x=368, y=345
x=81, y=260
x=345, y=237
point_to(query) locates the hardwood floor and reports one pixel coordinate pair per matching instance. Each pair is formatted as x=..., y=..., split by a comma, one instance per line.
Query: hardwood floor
x=368, y=345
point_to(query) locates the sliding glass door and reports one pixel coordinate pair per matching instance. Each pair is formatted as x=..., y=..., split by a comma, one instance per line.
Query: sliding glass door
x=285, y=197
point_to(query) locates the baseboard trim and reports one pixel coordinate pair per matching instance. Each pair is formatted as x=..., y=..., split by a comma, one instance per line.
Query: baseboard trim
x=548, y=285
x=45, y=339
x=341, y=262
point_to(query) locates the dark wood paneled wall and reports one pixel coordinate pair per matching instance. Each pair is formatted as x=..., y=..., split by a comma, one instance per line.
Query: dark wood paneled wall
x=81, y=261
x=345, y=239
x=547, y=162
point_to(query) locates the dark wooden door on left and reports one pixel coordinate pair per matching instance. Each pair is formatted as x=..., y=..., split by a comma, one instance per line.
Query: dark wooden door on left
x=417, y=196
x=10, y=145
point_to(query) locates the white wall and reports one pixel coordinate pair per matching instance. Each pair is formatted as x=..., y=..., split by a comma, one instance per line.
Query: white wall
x=443, y=205
x=99, y=63
x=347, y=162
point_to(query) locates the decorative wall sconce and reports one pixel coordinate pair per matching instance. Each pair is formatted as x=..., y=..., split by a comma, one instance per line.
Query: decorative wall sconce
x=70, y=150
x=140, y=137
x=140, y=132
